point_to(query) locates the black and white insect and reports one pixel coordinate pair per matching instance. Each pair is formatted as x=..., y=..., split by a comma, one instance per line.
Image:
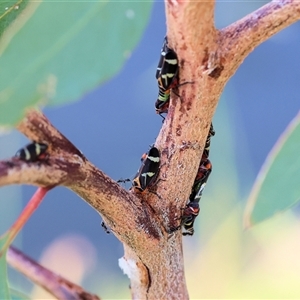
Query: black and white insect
x=167, y=77
x=190, y=213
x=33, y=152
x=192, y=209
x=207, y=143
x=167, y=69
x=201, y=178
x=149, y=170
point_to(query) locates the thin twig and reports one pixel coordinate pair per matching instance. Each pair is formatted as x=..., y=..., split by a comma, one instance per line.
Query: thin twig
x=30, y=208
x=56, y=285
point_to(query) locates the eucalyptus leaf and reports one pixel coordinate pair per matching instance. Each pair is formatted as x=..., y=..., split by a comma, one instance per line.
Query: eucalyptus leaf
x=64, y=49
x=17, y=295
x=9, y=12
x=277, y=186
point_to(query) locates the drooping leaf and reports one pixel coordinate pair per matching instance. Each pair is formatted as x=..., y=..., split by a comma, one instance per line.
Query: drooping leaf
x=64, y=49
x=17, y=295
x=277, y=186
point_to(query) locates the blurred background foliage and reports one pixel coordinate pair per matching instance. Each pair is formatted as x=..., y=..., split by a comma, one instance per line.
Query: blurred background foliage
x=114, y=123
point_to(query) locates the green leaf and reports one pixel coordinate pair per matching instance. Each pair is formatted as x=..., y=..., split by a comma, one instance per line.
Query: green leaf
x=64, y=49
x=17, y=295
x=9, y=11
x=277, y=186
x=4, y=290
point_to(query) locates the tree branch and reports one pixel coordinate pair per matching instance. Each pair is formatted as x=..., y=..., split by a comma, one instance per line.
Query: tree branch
x=183, y=134
x=208, y=58
x=242, y=37
x=68, y=167
x=56, y=285
x=182, y=138
x=129, y=217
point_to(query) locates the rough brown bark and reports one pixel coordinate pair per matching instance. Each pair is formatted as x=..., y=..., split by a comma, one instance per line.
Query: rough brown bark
x=208, y=57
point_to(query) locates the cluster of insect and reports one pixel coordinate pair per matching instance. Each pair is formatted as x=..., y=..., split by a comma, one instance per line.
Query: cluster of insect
x=192, y=209
x=167, y=75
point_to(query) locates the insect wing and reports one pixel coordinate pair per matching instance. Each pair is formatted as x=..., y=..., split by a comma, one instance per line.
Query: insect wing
x=162, y=102
x=160, y=64
x=207, y=143
x=137, y=178
x=211, y=130
x=169, y=70
x=190, y=213
x=161, y=58
x=22, y=154
x=192, y=209
x=161, y=107
x=32, y=152
x=150, y=169
x=203, y=173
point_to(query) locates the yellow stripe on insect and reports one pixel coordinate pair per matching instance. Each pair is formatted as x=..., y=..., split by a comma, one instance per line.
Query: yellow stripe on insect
x=173, y=61
x=27, y=154
x=154, y=159
x=37, y=149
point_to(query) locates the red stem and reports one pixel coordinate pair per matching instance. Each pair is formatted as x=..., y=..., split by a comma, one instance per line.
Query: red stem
x=32, y=205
